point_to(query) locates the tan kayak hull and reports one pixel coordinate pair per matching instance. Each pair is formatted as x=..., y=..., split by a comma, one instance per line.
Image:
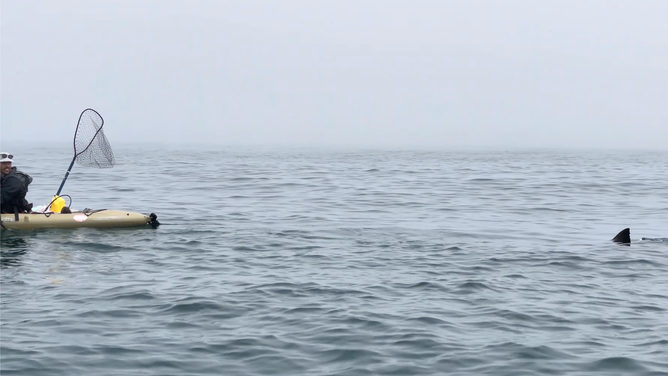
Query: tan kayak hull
x=97, y=219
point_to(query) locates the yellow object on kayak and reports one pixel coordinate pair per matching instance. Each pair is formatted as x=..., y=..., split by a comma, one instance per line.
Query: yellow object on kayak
x=57, y=204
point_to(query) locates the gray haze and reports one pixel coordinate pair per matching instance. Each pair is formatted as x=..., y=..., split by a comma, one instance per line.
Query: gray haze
x=368, y=73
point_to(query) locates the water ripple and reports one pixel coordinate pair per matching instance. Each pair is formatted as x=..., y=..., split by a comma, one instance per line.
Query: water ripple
x=346, y=263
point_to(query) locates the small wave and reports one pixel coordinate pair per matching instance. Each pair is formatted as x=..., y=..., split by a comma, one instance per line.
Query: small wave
x=516, y=276
x=631, y=262
x=619, y=363
x=428, y=320
x=471, y=287
x=111, y=350
x=568, y=265
x=546, y=209
x=182, y=325
x=541, y=352
x=142, y=296
x=11, y=258
x=516, y=316
x=304, y=310
x=98, y=247
x=194, y=306
x=648, y=308
x=421, y=286
x=662, y=342
x=348, y=355
x=113, y=313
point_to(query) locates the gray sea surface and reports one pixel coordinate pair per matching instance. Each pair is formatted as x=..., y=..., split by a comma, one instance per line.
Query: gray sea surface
x=343, y=262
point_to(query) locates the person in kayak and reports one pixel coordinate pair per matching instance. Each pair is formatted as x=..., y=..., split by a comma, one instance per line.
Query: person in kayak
x=14, y=186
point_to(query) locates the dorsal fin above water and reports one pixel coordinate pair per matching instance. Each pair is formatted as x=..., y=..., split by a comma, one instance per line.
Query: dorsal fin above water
x=623, y=237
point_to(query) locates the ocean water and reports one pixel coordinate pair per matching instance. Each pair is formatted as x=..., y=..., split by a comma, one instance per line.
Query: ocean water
x=343, y=262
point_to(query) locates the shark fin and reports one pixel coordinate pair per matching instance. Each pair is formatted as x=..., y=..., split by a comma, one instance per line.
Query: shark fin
x=624, y=237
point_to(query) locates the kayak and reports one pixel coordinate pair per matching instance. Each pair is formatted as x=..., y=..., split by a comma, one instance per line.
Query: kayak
x=102, y=218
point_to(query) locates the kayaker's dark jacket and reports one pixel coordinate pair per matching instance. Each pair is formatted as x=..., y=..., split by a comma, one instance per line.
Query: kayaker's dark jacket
x=14, y=187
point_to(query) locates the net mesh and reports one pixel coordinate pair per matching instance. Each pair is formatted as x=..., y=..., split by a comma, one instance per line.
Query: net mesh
x=91, y=147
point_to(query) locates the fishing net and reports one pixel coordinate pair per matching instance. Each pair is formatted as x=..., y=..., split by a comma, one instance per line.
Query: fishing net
x=91, y=148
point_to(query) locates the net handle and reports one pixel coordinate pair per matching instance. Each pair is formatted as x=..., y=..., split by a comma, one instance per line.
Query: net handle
x=66, y=175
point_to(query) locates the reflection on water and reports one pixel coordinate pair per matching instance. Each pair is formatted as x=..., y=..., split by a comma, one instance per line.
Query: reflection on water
x=12, y=249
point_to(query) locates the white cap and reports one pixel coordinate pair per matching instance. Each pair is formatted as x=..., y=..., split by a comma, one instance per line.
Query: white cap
x=6, y=157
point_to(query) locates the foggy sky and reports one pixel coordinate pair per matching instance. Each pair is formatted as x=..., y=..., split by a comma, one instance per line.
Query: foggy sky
x=376, y=73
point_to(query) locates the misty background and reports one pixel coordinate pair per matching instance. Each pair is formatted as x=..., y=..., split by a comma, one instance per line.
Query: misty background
x=363, y=73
